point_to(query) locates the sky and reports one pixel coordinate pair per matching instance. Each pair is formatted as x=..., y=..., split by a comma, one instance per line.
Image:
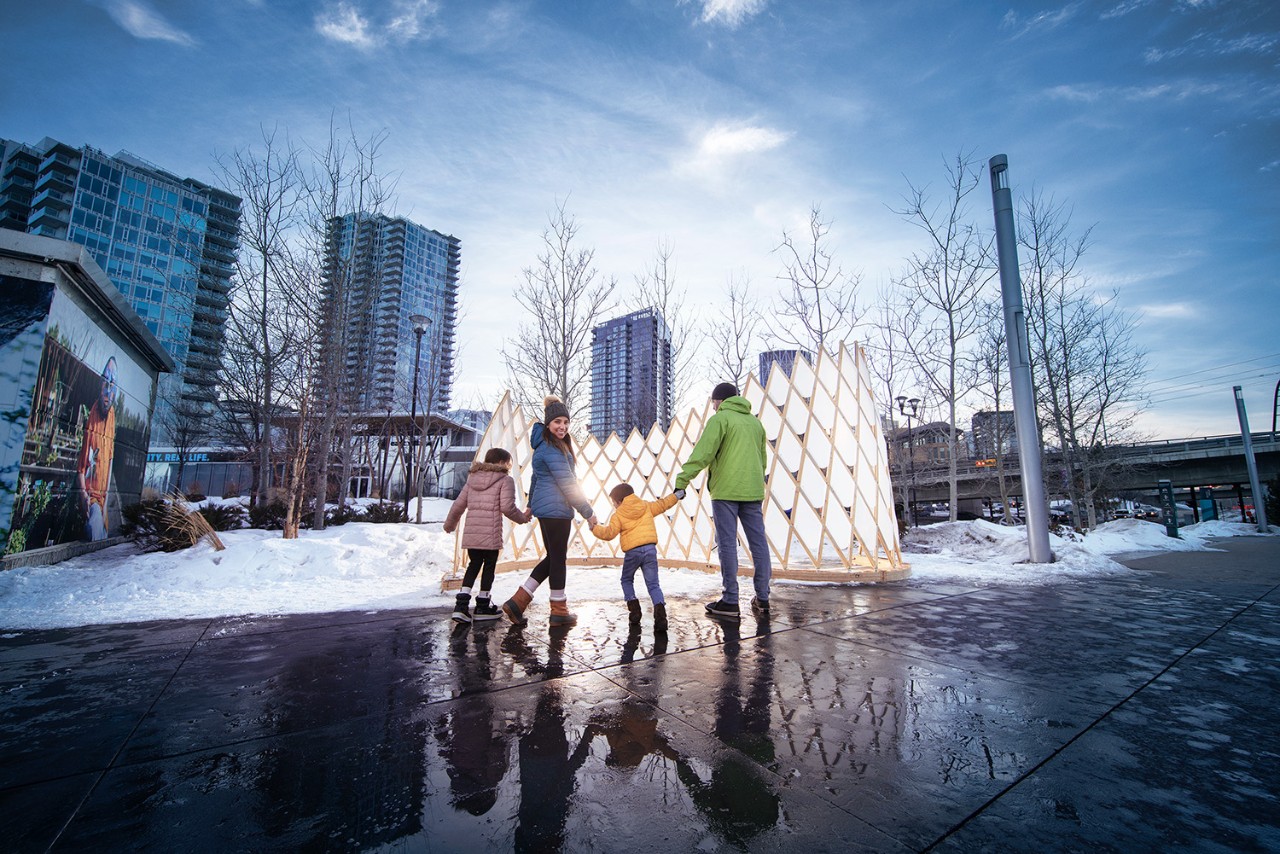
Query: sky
x=379, y=567
x=713, y=126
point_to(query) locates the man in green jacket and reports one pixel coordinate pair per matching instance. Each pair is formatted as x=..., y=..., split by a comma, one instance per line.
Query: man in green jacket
x=732, y=449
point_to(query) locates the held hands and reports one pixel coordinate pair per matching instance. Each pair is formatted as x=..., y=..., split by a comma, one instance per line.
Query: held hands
x=528, y=515
x=593, y=521
x=679, y=493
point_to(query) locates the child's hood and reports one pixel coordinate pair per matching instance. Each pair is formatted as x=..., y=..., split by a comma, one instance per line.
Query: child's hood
x=632, y=508
x=484, y=476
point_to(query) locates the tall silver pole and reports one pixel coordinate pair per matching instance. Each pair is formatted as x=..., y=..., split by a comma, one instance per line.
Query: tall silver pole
x=1015, y=327
x=1259, y=508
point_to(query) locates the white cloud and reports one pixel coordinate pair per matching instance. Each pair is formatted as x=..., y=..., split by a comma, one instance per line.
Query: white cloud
x=731, y=13
x=1172, y=309
x=1165, y=91
x=1042, y=21
x=725, y=141
x=141, y=21
x=347, y=24
x=410, y=19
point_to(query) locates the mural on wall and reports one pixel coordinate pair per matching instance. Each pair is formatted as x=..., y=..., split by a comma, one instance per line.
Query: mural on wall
x=85, y=445
x=24, y=305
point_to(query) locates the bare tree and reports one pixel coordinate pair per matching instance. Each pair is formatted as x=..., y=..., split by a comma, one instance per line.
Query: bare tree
x=345, y=181
x=565, y=297
x=946, y=284
x=656, y=288
x=892, y=366
x=261, y=329
x=993, y=385
x=1087, y=369
x=734, y=333
x=818, y=303
x=188, y=428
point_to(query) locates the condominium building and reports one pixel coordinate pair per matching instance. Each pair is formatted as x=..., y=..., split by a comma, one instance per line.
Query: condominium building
x=784, y=359
x=380, y=273
x=631, y=383
x=167, y=243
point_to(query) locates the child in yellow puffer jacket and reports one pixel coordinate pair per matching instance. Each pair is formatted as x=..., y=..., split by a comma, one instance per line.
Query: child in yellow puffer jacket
x=633, y=519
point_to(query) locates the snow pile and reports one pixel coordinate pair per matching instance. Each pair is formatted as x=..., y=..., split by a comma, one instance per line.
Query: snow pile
x=983, y=552
x=368, y=567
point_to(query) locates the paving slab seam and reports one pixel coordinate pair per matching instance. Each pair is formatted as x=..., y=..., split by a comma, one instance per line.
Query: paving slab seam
x=1054, y=754
x=120, y=749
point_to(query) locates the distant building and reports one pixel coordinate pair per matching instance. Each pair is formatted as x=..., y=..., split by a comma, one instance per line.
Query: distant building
x=631, y=384
x=993, y=434
x=924, y=445
x=167, y=243
x=784, y=359
x=379, y=272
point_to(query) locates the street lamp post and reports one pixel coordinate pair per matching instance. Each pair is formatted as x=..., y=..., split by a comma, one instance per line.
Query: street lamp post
x=420, y=323
x=914, y=403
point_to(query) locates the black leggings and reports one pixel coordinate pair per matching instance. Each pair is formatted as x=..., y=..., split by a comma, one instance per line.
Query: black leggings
x=555, y=537
x=482, y=562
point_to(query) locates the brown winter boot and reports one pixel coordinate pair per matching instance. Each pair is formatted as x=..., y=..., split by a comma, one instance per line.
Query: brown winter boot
x=633, y=605
x=660, y=618
x=560, y=615
x=514, y=607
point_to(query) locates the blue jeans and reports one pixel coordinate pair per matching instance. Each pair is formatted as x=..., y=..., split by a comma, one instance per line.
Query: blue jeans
x=645, y=559
x=727, y=515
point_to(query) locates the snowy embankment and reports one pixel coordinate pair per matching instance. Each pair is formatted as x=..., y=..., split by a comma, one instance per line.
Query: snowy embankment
x=368, y=567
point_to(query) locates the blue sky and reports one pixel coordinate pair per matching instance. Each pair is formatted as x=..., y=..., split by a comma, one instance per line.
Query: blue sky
x=714, y=125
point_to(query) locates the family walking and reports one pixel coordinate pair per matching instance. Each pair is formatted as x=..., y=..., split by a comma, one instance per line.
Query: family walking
x=731, y=449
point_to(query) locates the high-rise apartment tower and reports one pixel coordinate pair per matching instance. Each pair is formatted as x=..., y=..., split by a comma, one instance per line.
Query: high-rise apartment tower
x=631, y=374
x=380, y=272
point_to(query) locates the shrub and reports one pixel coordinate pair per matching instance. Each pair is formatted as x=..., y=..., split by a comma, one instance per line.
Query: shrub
x=231, y=489
x=195, y=492
x=268, y=515
x=342, y=514
x=224, y=517
x=386, y=512
x=168, y=526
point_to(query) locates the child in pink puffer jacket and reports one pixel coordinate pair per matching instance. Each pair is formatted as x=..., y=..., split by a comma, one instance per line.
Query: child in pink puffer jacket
x=488, y=495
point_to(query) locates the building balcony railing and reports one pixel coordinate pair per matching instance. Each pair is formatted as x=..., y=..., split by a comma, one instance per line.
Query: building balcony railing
x=53, y=198
x=61, y=161
x=56, y=179
x=22, y=165
x=49, y=216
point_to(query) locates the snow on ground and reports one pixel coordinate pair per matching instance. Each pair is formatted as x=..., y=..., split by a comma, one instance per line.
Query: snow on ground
x=368, y=567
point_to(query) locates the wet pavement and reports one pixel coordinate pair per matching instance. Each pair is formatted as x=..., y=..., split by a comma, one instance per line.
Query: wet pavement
x=1123, y=714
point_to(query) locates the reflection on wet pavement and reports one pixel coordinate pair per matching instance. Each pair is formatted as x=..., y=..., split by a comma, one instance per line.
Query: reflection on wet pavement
x=890, y=718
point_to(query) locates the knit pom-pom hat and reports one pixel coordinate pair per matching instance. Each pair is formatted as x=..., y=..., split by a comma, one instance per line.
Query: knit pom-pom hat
x=553, y=408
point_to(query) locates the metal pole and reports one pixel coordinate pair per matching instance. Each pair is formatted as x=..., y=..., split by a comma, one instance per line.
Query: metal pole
x=413, y=421
x=1015, y=324
x=1259, y=510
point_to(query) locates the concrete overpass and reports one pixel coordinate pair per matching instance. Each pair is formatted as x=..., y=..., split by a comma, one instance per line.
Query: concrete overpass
x=1197, y=465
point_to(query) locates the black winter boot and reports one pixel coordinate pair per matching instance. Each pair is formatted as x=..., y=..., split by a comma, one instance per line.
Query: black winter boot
x=660, y=618
x=633, y=605
x=462, y=613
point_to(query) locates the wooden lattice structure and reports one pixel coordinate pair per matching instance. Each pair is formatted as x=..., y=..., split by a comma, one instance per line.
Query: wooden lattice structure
x=828, y=508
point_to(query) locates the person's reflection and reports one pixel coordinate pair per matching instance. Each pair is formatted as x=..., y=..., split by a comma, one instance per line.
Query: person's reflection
x=548, y=768
x=737, y=799
x=631, y=726
x=474, y=750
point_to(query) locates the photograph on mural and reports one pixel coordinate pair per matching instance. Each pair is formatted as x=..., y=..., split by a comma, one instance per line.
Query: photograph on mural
x=85, y=448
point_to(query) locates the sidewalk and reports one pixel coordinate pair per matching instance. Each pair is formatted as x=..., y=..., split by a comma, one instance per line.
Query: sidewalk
x=1125, y=715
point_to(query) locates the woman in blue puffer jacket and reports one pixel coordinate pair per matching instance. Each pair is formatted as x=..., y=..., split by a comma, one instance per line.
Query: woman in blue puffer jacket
x=554, y=495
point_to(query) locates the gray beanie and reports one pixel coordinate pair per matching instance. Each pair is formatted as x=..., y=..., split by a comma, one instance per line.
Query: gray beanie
x=553, y=408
